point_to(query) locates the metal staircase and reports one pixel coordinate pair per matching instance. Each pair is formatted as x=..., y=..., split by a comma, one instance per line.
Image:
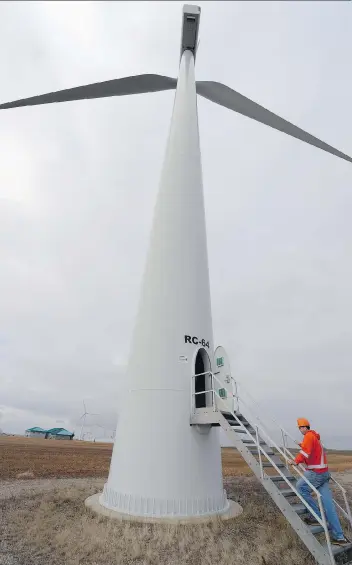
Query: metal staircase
x=268, y=461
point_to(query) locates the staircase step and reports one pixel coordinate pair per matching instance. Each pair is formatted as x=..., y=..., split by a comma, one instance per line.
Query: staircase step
x=254, y=451
x=278, y=478
x=299, y=508
x=229, y=416
x=234, y=422
x=336, y=549
x=279, y=465
x=316, y=529
x=287, y=492
x=253, y=441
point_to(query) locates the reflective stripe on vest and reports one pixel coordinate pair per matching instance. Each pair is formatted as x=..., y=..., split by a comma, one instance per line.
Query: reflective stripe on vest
x=322, y=464
x=304, y=453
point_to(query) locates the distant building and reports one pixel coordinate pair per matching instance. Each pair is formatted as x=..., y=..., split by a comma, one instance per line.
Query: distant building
x=53, y=433
x=36, y=432
x=59, y=433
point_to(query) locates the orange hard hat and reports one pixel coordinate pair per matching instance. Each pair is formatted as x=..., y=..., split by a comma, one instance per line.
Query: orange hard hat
x=303, y=422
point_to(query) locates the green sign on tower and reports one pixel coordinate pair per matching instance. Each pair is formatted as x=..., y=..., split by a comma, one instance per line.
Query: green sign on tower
x=220, y=361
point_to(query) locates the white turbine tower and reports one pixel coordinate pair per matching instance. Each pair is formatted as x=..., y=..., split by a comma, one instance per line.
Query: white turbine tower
x=161, y=465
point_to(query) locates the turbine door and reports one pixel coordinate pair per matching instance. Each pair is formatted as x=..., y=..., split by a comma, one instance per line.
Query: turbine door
x=202, y=380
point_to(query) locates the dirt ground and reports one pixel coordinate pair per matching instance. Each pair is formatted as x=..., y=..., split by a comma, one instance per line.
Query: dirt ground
x=40, y=458
x=52, y=458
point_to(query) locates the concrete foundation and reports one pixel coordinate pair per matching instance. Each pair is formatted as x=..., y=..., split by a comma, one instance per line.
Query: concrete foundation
x=93, y=504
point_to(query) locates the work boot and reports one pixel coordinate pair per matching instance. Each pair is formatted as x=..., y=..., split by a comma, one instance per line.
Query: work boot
x=342, y=542
x=310, y=521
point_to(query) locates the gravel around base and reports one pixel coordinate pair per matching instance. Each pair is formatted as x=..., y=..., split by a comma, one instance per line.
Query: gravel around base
x=31, y=487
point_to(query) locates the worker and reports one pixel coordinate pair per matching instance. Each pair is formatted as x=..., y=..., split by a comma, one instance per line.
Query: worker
x=317, y=473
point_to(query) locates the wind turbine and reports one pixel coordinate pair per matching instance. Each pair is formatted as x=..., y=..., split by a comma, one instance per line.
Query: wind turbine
x=84, y=415
x=162, y=466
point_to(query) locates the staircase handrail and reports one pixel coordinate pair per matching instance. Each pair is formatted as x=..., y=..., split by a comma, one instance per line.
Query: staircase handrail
x=346, y=512
x=322, y=519
x=269, y=417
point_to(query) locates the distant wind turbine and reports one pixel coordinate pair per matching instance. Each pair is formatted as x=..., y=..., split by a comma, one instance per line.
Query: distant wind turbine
x=84, y=415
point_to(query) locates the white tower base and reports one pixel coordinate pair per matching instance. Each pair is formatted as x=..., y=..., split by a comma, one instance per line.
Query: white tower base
x=93, y=503
x=162, y=467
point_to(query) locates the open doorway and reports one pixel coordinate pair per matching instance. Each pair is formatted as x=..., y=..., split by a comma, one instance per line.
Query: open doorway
x=202, y=381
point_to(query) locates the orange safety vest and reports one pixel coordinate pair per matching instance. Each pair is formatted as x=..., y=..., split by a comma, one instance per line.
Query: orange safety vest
x=312, y=453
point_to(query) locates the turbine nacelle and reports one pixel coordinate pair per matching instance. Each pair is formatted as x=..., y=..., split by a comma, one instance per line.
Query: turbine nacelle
x=190, y=29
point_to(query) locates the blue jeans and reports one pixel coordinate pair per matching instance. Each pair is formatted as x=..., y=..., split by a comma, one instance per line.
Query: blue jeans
x=321, y=482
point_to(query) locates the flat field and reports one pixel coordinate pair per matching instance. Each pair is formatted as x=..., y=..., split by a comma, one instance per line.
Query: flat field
x=39, y=458
x=44, y=458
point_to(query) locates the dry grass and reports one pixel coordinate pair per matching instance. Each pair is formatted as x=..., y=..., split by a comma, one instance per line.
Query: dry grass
x=56, y=528
x=38, y=458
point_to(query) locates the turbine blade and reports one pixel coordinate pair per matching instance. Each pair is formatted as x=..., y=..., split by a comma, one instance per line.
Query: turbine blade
x=138, y=84
x=225, y=96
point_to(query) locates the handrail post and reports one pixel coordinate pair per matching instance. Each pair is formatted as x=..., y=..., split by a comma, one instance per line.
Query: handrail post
x=236, y=396
x=213, y=390
x=348, y=509
x=259, y=453
x=326, y=529
x=284, y=445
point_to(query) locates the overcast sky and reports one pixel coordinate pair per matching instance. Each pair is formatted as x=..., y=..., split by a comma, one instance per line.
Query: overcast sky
x=78, y=184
